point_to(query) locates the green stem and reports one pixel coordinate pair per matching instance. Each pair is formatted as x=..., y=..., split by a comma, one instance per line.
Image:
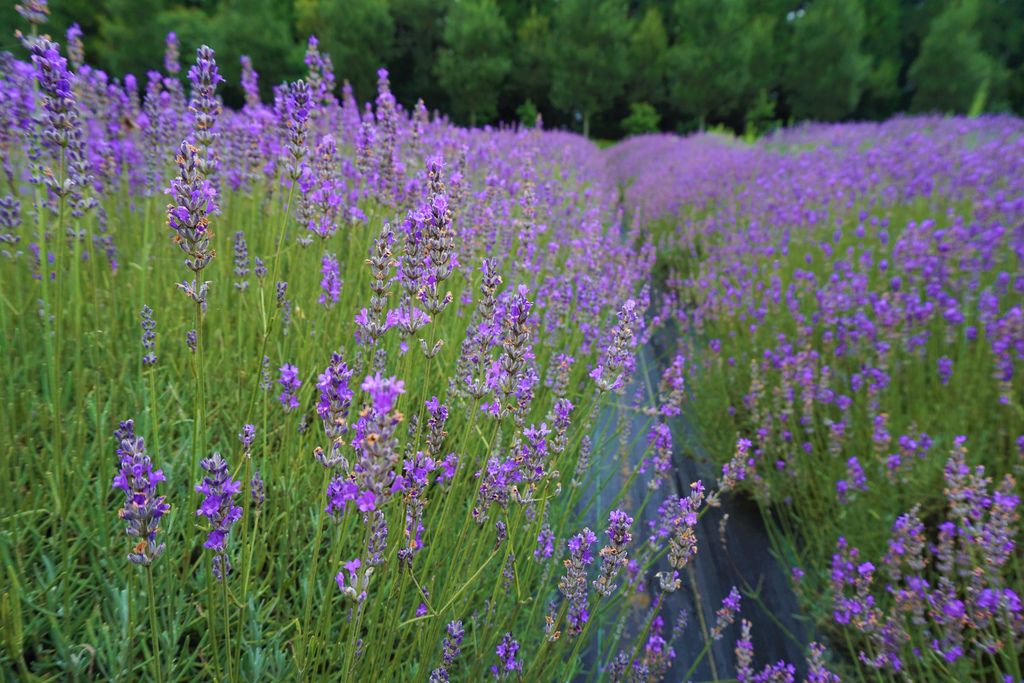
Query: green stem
x=153, y=629
x=227, y=627
x=311, y=583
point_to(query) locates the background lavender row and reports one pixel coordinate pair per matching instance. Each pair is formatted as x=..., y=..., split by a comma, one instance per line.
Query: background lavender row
x=849, y=300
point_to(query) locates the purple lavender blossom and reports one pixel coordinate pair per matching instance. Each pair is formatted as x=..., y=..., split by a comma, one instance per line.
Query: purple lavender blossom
x=321, y=74
x=10, y=219
x=218, y=506
x=322, y=190
x=35, y=12
x=241, y=268
x=507, y=663
x=172, y=65
x=383, y=393
x=76, y=51
x=294, y=115
x=250, y=83
x=194, y=200
x=257, y=491
x=726, y=614
x=247, y=436
x=617, y=362
x=330, y=283
x=613, y=555
x=736, y=469
x=574, y=584
x=660, y=441
x=148, y=336
x=205, y=107
x=143, y=508
x=545, y=543
x=62, y=127
x=335, y=397
x=355, y=586
x=452, y=649
x=290, y=383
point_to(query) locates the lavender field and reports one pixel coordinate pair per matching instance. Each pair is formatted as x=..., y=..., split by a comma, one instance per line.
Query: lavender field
x=319, y=389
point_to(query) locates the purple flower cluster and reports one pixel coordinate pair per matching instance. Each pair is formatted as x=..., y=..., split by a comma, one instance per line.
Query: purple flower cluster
x=148, y=336
x=617, y=362
x=613, y=555
x=62, y=128
x=241, y=268
x=204, y=105
x=194, y=201
x=507, y=664
x=219, y=508
x=677, y=521
x=330, y=283
x=290, y=383
x=574, y=584
x=659, y=440
x=143, y=508
x=294, y=111
x=335, y=398
x=355, y=584
x=452, y=649
x=951, y=592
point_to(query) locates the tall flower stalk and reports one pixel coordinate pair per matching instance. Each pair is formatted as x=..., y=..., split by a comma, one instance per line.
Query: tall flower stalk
x=142, y=511
x=219, y=508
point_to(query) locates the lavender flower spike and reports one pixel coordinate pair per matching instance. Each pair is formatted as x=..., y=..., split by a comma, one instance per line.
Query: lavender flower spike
x=142, y=507
x=148, y=336
x=574, y=584
x=205, y=106
x=219, y=507
x=506, y=651
x=194, y=201
x=452, y=649
x=613, y=555
x=290, y=384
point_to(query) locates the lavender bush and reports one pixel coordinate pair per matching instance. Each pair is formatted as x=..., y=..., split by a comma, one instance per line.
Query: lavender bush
x=420, y=490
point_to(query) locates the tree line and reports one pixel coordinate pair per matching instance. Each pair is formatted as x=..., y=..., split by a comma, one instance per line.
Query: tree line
x=605, y=67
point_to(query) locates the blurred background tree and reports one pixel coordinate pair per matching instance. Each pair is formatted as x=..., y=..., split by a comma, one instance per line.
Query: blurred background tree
x=710, y=62
x=952, y=68
x=474, y=59
x=748, y=65
x=359, y=35
x=588, y=55
x=825, y=67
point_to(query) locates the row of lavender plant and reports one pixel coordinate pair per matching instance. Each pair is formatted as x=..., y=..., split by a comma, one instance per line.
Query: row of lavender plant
x=850, y=307
x=352, y=359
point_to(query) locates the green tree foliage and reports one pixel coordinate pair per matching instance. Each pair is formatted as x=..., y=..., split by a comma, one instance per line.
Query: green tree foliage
x=710, y=62
x=742, y=64
x=418, y=27
x=648, y=58
x=531, y=59
x=474, y=61
x=643, y=118
x=254, y=27
x=826, y=70
x=881, y=97
x=589, y=59
x=527, y=113
x=952, y=68
x=1001, y=25
x=357, y=34
x=131, y=38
